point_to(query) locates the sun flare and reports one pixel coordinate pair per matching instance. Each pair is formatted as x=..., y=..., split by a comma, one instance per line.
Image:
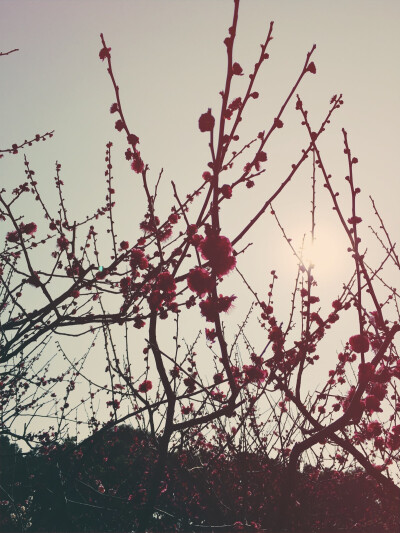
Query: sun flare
x=325, y=253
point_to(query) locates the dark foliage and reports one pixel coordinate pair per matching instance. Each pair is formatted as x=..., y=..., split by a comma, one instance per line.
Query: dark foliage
x=102, y=483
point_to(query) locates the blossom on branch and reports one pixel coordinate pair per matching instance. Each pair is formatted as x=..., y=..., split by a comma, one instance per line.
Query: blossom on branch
x=359, y=343
x=12, y=236
x=104, y=53
x=206, y=122
x=210, y=308
x=29, y=229
x=312, y=68
x=218, y=250
x=137, y=164
x=145, y=386
x=199, y=281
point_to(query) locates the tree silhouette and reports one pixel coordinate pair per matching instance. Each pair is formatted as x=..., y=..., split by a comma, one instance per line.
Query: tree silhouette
x=245, y=445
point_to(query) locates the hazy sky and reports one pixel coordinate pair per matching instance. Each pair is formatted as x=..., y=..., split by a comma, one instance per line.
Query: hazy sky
x=169, y=61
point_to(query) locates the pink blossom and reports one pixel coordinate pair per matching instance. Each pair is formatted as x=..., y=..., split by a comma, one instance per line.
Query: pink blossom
x=145, y=386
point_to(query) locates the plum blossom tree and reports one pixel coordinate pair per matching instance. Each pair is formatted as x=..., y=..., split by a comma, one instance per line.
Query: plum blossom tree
x=178, y=265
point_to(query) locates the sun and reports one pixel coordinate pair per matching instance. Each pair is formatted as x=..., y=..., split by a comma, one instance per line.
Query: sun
x=326, y=253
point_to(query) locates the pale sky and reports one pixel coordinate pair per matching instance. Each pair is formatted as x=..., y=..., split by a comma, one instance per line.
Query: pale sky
x=169, y=60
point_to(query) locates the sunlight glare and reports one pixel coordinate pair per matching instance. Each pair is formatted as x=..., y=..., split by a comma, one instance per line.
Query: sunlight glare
x=325, y=254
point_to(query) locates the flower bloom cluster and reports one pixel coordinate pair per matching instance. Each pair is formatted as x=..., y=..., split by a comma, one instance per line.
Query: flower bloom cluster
x=199, y=281
x=254, y=373
x=359, y=343
x=138, y=259
x=218, y=251
x=211, y=307
x=206, y=122
x=145, y=386
x=163, y=291
x=28, y=229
